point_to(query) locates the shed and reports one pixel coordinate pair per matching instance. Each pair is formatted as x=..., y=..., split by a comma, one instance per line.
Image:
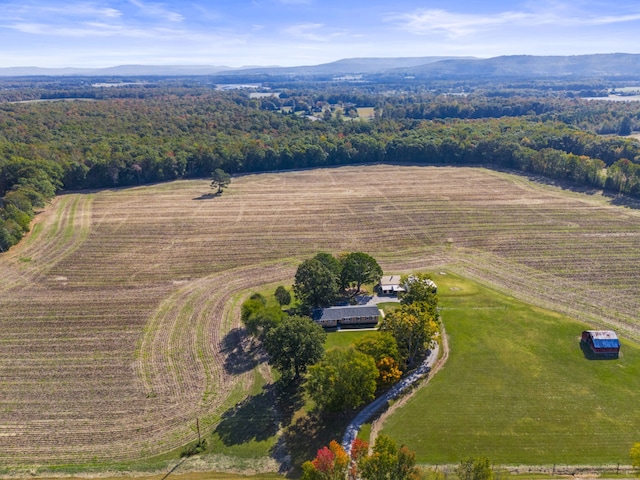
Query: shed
x=390, y=285
x=348, y=315
x=602, y=342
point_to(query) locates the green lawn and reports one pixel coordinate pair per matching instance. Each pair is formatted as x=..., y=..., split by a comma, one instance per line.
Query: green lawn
x=344, y=339
x=518, y=389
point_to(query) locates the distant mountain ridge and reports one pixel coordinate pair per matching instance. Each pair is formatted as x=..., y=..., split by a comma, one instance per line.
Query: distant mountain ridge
x=596, y=65
x=612, y=64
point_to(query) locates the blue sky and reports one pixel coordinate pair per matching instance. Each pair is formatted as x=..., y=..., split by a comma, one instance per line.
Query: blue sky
x=100, y=33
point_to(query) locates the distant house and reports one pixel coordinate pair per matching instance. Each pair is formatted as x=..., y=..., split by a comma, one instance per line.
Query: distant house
x=390, y=285
x=345, y=316
x=602, y=342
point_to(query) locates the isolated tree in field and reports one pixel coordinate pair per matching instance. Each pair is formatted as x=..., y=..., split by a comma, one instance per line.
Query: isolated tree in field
x=634, y=453
x=342, y=381
x=475, y=468
x=388, y=462
x=359, y=268
x=282, y=296
x=293, y=345
x=413, y=327
x=220, y=179
x=315, y=284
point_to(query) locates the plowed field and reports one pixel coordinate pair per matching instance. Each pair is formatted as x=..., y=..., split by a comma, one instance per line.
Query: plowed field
x=114, y=311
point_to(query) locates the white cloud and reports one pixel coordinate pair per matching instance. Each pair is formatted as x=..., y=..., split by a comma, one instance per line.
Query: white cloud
x=157, y=10
x=430, y=21
x=307, y=31
x=314, y=32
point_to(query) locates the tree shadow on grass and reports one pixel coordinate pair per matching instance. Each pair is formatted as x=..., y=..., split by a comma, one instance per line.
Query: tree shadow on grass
x=310, y=433
x=255, y=418
x=208, y=196
x=242, y=354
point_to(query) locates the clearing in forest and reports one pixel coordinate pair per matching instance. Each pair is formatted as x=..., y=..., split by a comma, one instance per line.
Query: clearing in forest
x=117, y=323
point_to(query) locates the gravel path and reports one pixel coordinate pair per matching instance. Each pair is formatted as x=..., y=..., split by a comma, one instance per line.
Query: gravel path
x=381, y=402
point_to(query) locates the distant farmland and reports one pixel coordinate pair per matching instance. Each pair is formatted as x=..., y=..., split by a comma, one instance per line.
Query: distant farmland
x=116, y=324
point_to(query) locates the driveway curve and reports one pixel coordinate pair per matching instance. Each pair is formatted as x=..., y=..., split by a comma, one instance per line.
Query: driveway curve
x=381, y=402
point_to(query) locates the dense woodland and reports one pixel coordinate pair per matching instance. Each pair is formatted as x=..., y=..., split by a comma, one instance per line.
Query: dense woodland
x=135, y=135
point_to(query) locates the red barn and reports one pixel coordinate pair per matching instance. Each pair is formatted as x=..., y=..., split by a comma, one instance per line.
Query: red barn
x=602, y=342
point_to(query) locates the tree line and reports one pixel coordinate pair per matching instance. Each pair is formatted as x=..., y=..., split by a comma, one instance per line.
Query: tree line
x=48, y=147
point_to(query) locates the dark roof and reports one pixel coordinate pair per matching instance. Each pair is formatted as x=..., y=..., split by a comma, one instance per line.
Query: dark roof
x=338, y=313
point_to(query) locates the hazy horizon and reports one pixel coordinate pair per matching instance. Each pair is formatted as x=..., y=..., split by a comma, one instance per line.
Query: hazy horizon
x=106, y=33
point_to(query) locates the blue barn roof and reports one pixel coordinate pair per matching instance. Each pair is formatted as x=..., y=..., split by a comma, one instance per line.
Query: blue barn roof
x=604, y=339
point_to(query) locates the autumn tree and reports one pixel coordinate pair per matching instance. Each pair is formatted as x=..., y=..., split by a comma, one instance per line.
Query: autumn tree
x=379, y=345
x=342, y=381
x=414, y=327
x=388, y=462
x=331, y=463
x=293, y=345
x=382, y=346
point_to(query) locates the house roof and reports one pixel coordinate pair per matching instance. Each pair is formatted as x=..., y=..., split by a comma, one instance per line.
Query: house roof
x=339, y=313
x=390, y=280
x=604, y=338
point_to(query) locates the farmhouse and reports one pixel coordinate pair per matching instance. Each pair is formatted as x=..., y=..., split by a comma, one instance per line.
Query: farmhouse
x=602, y=342
x=344, y=316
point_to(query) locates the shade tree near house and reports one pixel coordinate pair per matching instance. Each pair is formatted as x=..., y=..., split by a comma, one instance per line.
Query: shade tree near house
x=358, y=268
x=382, y=346
x=418, y=287
x=413, y=326
x=293, y=345
x=323, y=278
x=342, y=381
x=315, y=285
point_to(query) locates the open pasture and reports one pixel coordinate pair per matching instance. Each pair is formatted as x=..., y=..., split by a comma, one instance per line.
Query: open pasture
x=116, y=325
x=518, y=388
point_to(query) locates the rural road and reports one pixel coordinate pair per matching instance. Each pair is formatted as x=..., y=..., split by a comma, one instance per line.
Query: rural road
x=379, y=403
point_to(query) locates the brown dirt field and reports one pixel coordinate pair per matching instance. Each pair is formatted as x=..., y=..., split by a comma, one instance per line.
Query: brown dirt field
x=114, y=311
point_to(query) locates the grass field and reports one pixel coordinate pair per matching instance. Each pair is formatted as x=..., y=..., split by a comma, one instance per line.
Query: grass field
x=518, y=389
x=119, y=324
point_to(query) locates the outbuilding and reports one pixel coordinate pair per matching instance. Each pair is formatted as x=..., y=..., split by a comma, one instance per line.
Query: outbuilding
x=346, y=316
x=602, y=342
x=390, y=285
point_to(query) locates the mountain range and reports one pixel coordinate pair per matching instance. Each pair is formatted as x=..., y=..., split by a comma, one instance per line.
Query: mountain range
x=596, y=65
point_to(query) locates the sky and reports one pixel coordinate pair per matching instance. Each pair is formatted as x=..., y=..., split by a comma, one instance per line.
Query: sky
x=235, y=33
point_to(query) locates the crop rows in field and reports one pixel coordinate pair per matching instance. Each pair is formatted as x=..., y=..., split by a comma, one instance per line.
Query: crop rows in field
x=115, y=314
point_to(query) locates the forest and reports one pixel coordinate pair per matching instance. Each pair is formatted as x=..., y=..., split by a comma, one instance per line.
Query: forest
x=133, y=135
